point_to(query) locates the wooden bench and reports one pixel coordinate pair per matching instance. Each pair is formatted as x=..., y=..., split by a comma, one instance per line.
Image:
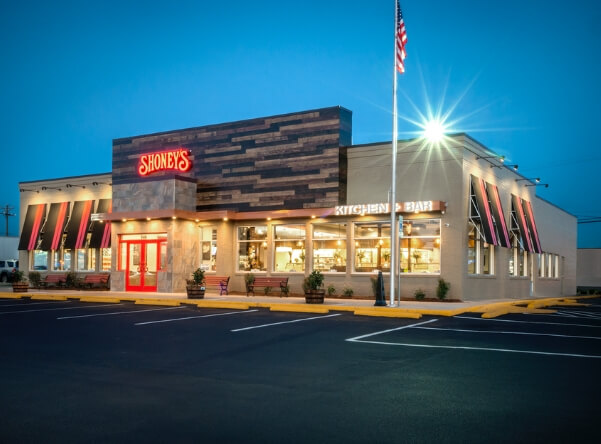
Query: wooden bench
x=95, y=280
x=218, y=281
x=273, y=282
x=55, y=280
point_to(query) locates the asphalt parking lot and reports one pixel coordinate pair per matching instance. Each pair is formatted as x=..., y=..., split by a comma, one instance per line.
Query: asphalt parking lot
x=97, y=372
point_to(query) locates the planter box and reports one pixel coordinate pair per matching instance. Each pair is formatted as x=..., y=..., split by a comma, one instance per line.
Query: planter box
x=314, y=296
x=20, y=287
x=195, y=292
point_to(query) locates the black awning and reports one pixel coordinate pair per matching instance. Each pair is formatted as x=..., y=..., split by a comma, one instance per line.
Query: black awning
x=519, y=218
x=499, y=215
x=79, y=223
x=483, y=215
x=54, y=226
x=531, y=226
x=34, y=220
x=101, y=231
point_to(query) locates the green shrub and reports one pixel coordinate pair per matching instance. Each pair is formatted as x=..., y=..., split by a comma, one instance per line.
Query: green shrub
x=267, y=290
x=374, y=285
x=35, y=278
x=314, y=281
x=348, y=292
x=419, y=294
x=442, y=289
x=70, y=280
x=331, y=290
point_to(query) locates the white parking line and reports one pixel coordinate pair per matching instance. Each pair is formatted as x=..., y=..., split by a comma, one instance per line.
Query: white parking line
x=506, y=350
x=508, y=332
x=357, y=338
x=117, y=312
x=527, y=322
x=195, y=317
x=27, y=304
x=286, y=322
x=50, y=309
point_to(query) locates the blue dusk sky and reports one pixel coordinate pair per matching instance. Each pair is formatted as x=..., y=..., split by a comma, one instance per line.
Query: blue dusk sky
x=522, y=76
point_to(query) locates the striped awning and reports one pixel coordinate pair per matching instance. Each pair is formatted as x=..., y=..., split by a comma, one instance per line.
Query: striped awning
x=499, y=216
x=79, y=224
x=101, y=230
x=34, y=219
x=53, y=229
x=523, y=218
x=486, y=213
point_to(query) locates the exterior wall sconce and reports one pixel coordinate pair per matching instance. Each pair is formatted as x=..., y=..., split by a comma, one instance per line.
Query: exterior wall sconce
x=24, y=190
x=71, y=186
x=546, y=185
x=535, y=179
x=51, y=188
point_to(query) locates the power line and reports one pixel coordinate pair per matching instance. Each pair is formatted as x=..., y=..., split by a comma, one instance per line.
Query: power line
x=6, y=212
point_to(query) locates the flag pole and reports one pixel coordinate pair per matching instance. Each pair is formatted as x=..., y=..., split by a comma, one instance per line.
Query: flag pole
x=393, y=249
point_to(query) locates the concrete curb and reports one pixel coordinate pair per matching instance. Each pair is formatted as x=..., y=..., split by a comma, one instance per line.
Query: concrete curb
x=488, y=310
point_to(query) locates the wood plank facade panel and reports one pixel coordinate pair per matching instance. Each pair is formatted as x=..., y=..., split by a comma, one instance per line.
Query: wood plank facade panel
x=290, y=161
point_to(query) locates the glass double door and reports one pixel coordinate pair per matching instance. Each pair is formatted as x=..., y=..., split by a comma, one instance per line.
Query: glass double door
x=143, y=261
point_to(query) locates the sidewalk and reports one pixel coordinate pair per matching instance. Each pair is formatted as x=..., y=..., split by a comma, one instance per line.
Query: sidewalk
x=360, y=307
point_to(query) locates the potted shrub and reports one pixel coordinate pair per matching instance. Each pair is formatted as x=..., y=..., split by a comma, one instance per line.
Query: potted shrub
x=314, y=294
x=195, y=287
x=20, y=284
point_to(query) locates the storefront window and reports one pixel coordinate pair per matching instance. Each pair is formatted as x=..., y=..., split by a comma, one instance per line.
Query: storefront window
x=252, y=248
x=329, y=247
x=289, y=243
x=208, y=248
x=62, y=260
x=480, y=254
x=39, y=260
x=86, y=259
x=372, y=246
x=420, y=246
x=518, y=258
x=106, y=259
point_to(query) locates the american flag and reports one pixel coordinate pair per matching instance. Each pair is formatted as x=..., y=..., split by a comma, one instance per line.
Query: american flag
x=401, y=39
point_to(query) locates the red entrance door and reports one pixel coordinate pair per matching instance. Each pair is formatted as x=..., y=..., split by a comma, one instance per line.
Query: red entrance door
x=143, y=261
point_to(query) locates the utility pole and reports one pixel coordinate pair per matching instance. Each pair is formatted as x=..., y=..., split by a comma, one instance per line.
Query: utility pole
x=6, y=212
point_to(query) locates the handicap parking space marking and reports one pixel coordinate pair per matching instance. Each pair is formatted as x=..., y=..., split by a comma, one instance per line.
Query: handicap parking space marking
x=196, y=317
x=420, y=325
x=285, y=322
x=578, y=314
x=114, y=313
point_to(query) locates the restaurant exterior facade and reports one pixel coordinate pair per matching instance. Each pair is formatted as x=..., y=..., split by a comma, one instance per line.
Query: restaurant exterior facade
x=286, y=194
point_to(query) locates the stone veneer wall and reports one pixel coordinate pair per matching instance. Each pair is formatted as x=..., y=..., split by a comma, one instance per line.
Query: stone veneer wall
x=155, y=195
x=287, y=161
x=182, y=252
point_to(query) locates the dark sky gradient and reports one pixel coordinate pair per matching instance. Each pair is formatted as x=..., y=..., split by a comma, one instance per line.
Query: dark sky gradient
x=524, y=76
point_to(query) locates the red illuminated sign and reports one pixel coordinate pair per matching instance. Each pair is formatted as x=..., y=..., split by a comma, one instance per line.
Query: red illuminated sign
x=178, y=160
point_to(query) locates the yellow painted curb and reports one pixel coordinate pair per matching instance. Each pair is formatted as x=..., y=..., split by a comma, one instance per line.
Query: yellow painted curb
x=387, y=313
x=299, y=308
x=99, y=299
x=164, y=302
x=48, y=297
x=12, y=295
x=219, y=304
